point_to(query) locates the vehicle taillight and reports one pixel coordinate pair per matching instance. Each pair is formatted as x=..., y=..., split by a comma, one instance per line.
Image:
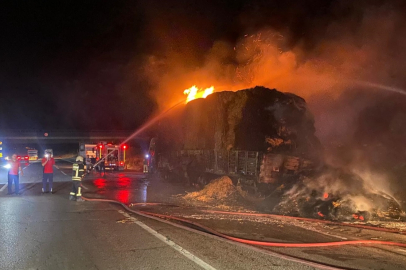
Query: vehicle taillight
x=26, y=157
x=18, y=157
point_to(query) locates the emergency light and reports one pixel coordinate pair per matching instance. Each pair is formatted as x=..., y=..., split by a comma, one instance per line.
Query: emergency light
x=7, y=166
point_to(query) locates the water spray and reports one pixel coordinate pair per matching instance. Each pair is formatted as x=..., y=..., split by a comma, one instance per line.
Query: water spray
x=151, y=122
x=382, y=87
x=141, y=129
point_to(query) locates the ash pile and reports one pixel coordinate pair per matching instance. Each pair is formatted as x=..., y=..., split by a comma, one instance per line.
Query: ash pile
x=264, y=140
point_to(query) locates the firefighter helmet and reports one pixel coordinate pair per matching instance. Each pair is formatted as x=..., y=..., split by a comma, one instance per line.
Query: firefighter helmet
x=79, y=158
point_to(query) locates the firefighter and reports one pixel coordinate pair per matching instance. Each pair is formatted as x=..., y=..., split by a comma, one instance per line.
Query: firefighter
x=102, y=167
x=78, y=172
x=146, y=163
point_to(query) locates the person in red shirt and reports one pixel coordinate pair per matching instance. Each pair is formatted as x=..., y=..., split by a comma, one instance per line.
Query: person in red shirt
x=13, y=175
x=48, y=163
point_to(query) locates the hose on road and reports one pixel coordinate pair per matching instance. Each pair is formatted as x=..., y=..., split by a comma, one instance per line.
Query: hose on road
x=252, y=242
x=306, y=219
x=199, y=231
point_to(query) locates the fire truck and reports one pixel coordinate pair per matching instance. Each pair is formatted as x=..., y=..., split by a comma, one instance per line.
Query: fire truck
x=114, y=155
x=32, y=154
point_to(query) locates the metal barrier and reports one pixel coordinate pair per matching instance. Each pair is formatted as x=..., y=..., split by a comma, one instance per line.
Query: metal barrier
x=264, y=167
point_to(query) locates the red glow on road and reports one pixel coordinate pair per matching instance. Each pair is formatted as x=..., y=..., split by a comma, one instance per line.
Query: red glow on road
x=123, y=182
x=100, y=183
x=123, y=196
x=325, y=195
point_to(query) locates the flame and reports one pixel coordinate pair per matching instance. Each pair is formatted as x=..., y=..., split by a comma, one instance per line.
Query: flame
x=194, y=93
x=320, y=214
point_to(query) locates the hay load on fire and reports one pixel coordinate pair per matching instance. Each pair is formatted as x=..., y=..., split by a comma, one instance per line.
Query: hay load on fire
x=259, y=137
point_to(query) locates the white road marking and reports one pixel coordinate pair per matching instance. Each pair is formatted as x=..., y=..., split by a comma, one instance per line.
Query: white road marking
x=4, y=187
x=170, y=243
x=63, y=172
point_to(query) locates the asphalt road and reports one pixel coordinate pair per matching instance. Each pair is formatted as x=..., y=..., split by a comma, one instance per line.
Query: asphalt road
x=50, y=232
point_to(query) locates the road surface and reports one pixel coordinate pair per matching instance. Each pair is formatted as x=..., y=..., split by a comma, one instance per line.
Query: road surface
x=50, y=232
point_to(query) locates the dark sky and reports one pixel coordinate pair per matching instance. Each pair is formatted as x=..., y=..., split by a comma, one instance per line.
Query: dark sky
x=80, y=64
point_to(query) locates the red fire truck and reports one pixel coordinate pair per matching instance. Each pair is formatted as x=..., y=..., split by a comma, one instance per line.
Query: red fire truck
x=114, y=155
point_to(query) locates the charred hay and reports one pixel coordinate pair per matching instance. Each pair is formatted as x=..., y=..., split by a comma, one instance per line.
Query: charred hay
x=256, y=119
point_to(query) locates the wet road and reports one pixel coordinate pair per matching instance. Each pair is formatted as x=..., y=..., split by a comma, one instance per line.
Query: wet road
x=50, y=232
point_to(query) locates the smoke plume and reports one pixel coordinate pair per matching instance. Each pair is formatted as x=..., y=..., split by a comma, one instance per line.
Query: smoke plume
x=347, y=64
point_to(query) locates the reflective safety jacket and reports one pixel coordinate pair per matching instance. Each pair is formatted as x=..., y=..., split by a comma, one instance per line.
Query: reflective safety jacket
x=78, y=170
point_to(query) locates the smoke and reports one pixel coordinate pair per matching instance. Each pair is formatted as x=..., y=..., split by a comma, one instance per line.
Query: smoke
x=345, y=63
x=338, y=194
x=360, y=57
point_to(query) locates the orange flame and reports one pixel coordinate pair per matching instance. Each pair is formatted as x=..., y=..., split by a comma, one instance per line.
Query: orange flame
x=194, y=93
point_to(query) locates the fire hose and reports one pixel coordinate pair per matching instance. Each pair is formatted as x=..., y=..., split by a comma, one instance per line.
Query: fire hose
x=306, y=219
x=247, y=241
x=101, y=159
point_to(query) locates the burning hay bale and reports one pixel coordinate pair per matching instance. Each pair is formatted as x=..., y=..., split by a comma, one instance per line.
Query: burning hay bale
x=257, y=119
x=219, y=190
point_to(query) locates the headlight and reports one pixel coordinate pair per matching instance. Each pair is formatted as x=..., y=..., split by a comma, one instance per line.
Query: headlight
x=7, y=166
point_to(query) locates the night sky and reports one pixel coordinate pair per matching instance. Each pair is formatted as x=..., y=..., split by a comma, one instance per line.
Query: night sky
x=82, y=64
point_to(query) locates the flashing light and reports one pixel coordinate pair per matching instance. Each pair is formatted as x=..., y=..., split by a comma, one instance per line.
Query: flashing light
x=100, y=146
x=26, y=157
x=124, y=146
x=147, y=156
x=47, y=155
x=7, y=166
x=121, y=163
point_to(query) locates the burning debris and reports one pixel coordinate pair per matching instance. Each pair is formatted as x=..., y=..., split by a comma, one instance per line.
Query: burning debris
x=339, y=195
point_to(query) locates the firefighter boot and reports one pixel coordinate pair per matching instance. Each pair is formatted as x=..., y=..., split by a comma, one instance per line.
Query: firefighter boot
x=79, y=195
x=72, y=198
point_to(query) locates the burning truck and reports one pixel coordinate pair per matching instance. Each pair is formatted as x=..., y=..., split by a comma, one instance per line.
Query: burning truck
x=264, y=139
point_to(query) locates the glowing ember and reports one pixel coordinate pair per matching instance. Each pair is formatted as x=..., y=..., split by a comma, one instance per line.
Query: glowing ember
x=194, y=93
